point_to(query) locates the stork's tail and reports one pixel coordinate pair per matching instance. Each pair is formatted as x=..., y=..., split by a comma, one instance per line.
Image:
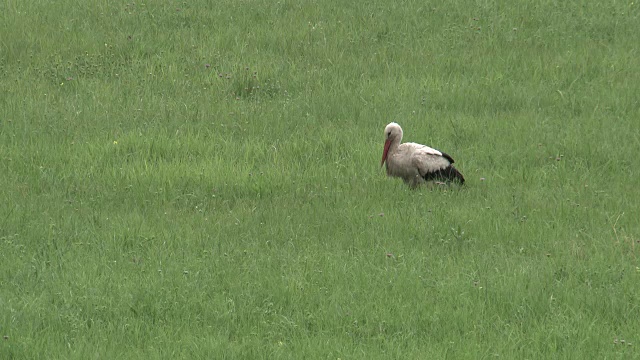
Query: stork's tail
x=447, y=174
x=455, y=175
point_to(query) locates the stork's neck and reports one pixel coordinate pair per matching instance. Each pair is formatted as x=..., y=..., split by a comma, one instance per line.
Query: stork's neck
x=395, y=143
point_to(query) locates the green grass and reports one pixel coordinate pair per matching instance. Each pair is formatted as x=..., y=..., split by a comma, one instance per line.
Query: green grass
x=201, y=180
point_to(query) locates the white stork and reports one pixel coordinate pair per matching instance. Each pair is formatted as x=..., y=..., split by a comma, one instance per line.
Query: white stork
x=416, y=163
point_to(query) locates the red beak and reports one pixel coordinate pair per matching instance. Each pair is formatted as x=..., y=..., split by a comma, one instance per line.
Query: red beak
x=386, y=150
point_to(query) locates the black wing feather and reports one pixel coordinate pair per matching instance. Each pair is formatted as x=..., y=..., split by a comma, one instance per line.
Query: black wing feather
x=447, y=174
x=446, y=156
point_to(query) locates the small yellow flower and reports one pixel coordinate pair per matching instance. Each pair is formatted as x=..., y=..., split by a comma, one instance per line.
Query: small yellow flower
x=115, y=142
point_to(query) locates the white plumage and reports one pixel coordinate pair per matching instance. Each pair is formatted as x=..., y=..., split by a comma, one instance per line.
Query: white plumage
x=416, y=163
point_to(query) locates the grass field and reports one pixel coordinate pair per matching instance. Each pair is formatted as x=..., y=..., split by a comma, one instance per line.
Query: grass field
x=202, y=180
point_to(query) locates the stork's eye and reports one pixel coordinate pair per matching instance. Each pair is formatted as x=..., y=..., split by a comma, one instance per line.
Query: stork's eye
x=389, y=134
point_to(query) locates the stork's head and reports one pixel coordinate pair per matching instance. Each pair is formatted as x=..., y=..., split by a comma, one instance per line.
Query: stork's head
x=393, y=135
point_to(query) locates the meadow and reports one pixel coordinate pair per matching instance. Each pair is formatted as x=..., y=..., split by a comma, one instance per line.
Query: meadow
x=199, y=179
